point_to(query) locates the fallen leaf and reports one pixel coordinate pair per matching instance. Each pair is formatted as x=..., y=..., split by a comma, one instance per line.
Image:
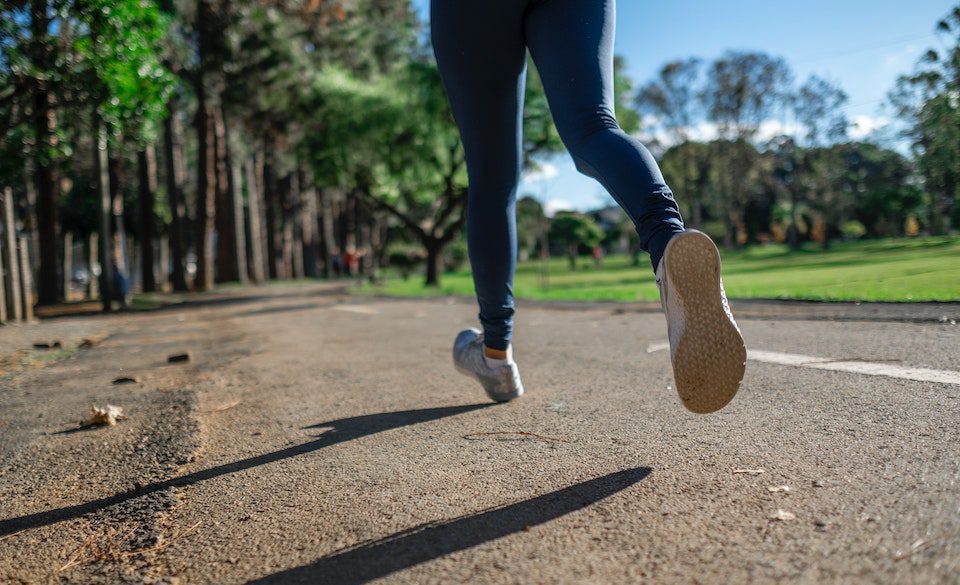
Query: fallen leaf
x=774, y=489
x=125, y=380
x=108, y=415
x=783, y=516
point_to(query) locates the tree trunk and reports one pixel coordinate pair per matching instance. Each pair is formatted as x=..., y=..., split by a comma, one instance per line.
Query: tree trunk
x=10, y=261
x=147, y=171
x=26, y=280
x=729, y=237
x=206, y=196
x=206, y=151
x=67, y=264
x=293, y=226
x=273, y=238
x=174, y=156
x=255, y=219
x=376, y=245
x=100, y=160
x=308, y=226
x=235, y=196
x=120, y=230
x=363, y=235
x=329, y=241
x=227, y=250
x=240, y=239
x=45, y=125
x=697, y=213
x=164, y=283
x=793, y=235
x=30, y=219
x=93, y=246
x=434, y=261
x=572, y=256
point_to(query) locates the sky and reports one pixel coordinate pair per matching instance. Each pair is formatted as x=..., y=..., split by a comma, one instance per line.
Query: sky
x=860, y=45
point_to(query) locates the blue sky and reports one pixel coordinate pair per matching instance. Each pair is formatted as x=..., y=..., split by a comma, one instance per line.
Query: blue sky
x=862, y=46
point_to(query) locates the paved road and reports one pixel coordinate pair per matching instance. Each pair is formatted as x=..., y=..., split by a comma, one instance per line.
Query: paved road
x=316, y=438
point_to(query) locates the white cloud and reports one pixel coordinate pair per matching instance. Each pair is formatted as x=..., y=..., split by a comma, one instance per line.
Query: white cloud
x=708, y=131
x=772, y=128
x=703, y=132
x=863, y=126
x=554, y=205
x=545, y=172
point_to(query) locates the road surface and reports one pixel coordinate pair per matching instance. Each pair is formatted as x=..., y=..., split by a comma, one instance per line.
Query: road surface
x=314, y=437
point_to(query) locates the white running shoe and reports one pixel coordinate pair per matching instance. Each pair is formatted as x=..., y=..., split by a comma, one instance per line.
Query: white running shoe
x=706, y=347
x=502, y=383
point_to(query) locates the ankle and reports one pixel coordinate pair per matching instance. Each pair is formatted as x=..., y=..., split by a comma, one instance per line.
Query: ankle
x=495, y=354
x=496, y=358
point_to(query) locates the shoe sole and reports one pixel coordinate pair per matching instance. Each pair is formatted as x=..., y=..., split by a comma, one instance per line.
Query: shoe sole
x=710, y=357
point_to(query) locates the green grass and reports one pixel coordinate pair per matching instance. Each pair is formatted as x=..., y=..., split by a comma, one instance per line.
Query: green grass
x=917, y=269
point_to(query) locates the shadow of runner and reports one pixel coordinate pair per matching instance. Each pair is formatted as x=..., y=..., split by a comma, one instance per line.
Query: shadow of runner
x=345, y=429
x=379, y=558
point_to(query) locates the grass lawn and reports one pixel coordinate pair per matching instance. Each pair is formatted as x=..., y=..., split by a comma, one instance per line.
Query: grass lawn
x=917, y=269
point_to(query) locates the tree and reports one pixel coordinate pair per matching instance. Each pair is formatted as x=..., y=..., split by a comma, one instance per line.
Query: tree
x=741, y=92
x=532, y=225
x=574, y=230
x=818, y=107
x=67, y=63
x=689, y=168
x=928, y=102
x=671, y=98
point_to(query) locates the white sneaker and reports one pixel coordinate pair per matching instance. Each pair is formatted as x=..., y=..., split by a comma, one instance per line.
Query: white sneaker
x=502, y=383
x=706, y=347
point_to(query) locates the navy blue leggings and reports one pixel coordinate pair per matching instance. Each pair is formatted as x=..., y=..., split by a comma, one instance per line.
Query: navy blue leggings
x=481, y=48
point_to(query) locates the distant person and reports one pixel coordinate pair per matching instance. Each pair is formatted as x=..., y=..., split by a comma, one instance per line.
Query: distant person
x=337, y=262
x=597, y=253
x=481, y=48
x=351, y=260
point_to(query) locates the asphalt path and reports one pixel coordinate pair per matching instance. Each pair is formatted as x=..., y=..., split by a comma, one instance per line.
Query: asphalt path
x=318, y=438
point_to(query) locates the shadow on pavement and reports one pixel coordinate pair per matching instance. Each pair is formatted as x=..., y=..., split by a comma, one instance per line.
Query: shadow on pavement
x=342, y=430
x=379, y=558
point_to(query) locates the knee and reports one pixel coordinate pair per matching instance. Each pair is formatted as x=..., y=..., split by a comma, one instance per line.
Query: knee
x=581, y=136
x=577, y=131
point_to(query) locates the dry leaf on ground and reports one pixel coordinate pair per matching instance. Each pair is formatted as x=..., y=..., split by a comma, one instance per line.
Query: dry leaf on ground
x=783, y=516
x=108, y=415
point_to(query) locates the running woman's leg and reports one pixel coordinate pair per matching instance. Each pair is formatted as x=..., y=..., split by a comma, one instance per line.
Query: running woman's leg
x=571, y=42
x=482, y=59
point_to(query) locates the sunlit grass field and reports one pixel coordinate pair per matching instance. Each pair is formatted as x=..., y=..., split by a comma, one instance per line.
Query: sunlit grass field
x=916, y=269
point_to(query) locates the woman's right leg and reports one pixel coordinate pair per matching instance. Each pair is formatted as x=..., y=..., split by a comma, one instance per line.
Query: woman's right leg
x=572, y=44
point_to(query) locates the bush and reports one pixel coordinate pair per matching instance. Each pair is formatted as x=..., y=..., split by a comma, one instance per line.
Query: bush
x=853, y=230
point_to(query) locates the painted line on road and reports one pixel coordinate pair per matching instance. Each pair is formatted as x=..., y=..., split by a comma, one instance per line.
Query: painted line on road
x=836, y=365
x=655, y=347
x=357, y=309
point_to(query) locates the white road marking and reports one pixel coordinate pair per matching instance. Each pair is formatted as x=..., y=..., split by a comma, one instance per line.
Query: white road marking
x=357, y=309
x=857, y=367
x=655, y=347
